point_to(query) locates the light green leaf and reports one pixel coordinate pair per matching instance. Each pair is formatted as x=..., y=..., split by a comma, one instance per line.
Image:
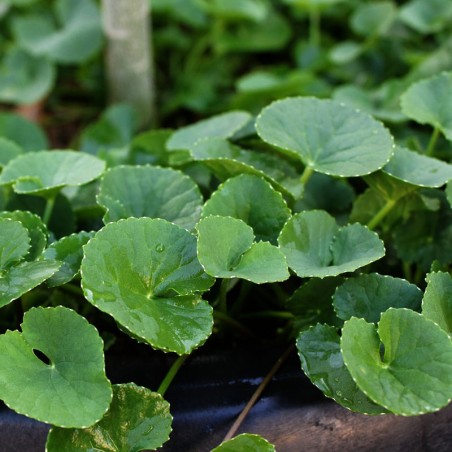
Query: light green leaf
x=72, y=389
x=226, y=249
x=373, y=19
x=46, y=172
x=315, y=246
x=237, y=198
x=368, y=295
x=413, y=373
x=14, y=242
x=252, y=10
x=437, y=302
x=23, y=132
x=150, y=191
x=321, y=360
x=327, y=136
x=150, y=147
x=68, y=251
x=145, y=274
x=8, y=151
x=428, y=102
x=25, y=79
x=417, y=169
x=246, y=442
x=77, y=37
x=426, y=17
x=388, y=186
x=37, y=231
x=23, y=277
x=220, y=126
x=346, y=51
x=137, y=419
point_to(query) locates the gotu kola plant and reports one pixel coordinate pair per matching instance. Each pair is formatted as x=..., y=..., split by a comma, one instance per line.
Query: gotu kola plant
x=189, y=244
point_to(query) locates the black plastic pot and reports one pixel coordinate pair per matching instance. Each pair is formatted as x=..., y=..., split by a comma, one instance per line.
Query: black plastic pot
x=212, y=388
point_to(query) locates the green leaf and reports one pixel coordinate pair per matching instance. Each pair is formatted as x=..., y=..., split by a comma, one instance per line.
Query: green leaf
x=327, y=136
x=373, y=19
x=388, y=186
x=246, y=442
x=418, y=169
x=321, y=360
x=150, y=191
x=46, y=172
x=437, y=302
x=426, y=17
x=368, y=295
x=145, y=274
x=25, y=79
x=226, y=249
x=14, y=242
x=68, y=251
x=237, y=198
x=23, y=277
x=150, y=147
x=37, y=231
x=23, y=132
x=413, y=375
x=8, y=151
x=252, y=10
x=77, y=37
x=72, y=389
x=137, y=419
x=428, y=101
x=315, y=246
x=220, y=126
x=345, y=52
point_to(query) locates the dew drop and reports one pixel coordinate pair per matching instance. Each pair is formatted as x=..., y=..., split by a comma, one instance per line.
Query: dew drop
x=160, y=248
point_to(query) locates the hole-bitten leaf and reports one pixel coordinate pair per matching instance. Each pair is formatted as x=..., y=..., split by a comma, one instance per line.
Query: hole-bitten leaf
x=321, y=360
x=150, y=191
x=246, y=442
x=368, y=295
x=327, y=136
x=138, y=419
x=415, y=374
x=144, y=273
x=437, y=302
x=226, y=249
x=428, y=102
x=237, y=198
x=47, y=172
x=315, y=246
x=71, y=391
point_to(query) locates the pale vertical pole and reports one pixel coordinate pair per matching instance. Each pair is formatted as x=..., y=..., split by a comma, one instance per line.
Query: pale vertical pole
x=129, y=60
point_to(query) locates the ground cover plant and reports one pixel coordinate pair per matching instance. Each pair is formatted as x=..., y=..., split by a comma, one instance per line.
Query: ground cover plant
x=312, y=210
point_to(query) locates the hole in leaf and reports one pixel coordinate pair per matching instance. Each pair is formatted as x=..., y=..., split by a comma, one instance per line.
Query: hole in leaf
x=382, y=352
x=41, y=356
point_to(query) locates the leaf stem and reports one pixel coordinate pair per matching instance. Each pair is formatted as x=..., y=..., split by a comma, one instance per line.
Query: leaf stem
x=172, y=372
x=314, y=27
x=381, y=214
x=223, y=317
x=222, y=297
x=48, y=209
x=306, y=175
x=432, y=142
x=269, y=314
x=257, y=393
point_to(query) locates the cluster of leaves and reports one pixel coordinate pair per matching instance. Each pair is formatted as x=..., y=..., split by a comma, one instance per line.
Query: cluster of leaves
x=219, y=208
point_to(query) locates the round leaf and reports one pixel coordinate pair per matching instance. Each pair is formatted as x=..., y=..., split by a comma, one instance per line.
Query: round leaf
x=367, y=296
x=78, y=37
x=246, y=442
x=22, y=132
x=68, y=251
x=144, y=273
x=43, y=173
x=237, y=198
x=221, y=126
x=226, y=249
x=8, y=151
x=37, y=231
x=21, y=278
x=414, y=373
x=137, y=419
x=147, y=191
x=428, y=102
x=327, y=136
x=14, y=242
x=321, y=360
x=316, y=247
x=418, y=169
x=437, y=302
x=72, y=389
